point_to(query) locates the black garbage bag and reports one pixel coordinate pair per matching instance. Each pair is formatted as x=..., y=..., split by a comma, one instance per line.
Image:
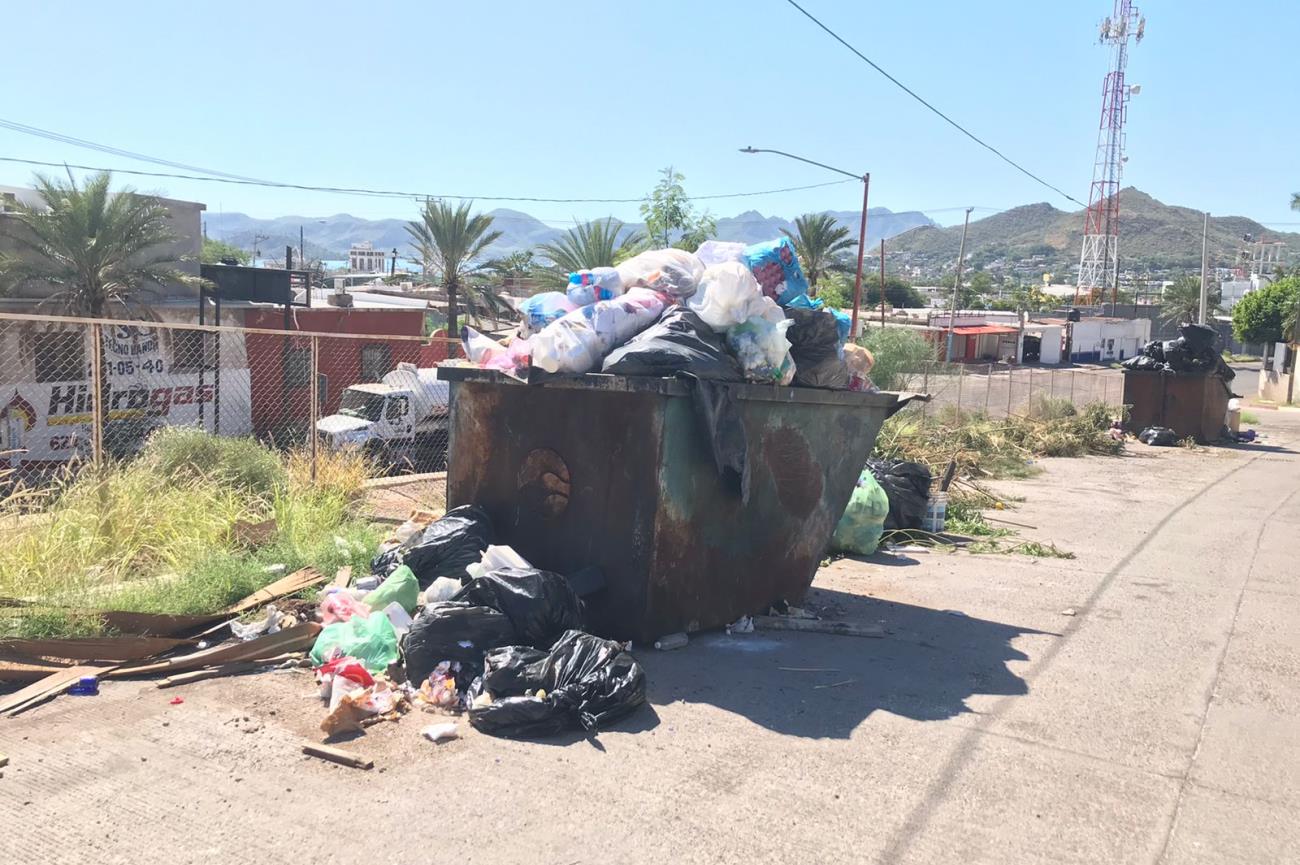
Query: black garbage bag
x=718, y=414
x=443, y=549
x=539, y=604
x=1175, y=355
x=1142, y=361
x=679, y=342
x=815, y=349
x=587, y=683
x=907, y=485
x=454, y=631
x=1158, y=436
x=1155, y=349
x=1199, y=338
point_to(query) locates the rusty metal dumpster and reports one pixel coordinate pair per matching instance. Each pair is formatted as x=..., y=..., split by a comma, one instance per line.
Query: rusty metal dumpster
x=618, y=473
x=1190, y=404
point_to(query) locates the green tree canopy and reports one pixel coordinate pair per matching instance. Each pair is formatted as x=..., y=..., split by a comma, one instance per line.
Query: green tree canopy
x=820, y=242
x=599, y=243
x=1268, y=315
x=218, y=251
x=449, y=241
x=97, y=249
x=1181, y=302
x=670, y=218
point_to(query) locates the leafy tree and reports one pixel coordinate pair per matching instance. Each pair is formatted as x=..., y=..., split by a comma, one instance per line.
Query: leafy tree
x=819, y=241
x=898, y=293
x=448, y=240
x=591, y=244
x=1181, y=302
x=218, y=251
x=670, y=218
x=97, y=249
x=508, y=268
x=1268, y=315
x=836, y=290
x=900, y=354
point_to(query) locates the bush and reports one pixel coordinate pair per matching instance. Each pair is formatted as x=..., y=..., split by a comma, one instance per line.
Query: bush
x=900, y=353
x=188, y=453
x=1261, y=315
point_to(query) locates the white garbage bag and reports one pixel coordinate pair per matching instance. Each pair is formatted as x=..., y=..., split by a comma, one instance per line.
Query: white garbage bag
x=729, y=294
x=713, y=252
x=675, y=272
x=578, y=342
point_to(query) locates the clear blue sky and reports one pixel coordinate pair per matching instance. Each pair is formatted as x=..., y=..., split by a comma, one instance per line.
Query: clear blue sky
x=589, y=99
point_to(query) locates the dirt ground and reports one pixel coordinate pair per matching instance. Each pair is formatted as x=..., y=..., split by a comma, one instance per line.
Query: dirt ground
x=1135, y=704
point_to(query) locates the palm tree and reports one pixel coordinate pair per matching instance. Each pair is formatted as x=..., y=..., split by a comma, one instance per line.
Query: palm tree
x=448, y=241
x=97, y=249
x=591, y=244
x=1181, y=301
x=1295, y=201
x=818, y=242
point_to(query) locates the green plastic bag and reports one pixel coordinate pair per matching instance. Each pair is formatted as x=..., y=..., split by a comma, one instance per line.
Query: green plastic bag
x=401, y=586
x=863, y=523
x=371, y=640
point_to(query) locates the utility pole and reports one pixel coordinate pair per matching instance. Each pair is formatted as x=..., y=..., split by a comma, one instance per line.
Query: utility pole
x=302, y=250
x=1205, y=296
x=956, y=286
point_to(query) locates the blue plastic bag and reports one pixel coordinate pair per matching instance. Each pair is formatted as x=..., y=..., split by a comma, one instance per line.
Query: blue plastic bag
x=538, y=311
x=803, y=301
x=776, y=267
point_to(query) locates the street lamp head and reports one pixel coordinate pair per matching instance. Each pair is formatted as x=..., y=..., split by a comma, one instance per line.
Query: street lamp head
x=748, y=150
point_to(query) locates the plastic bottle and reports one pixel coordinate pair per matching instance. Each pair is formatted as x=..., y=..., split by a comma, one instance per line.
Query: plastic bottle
x=87, y=686
x=671, y=641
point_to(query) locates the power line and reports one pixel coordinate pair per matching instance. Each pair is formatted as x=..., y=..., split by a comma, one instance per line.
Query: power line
x=392, y=193
x=910, y=92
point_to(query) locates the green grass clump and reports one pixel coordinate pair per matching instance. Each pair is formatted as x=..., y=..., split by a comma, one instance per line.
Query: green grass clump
x=158, y=533
x=1249, y=417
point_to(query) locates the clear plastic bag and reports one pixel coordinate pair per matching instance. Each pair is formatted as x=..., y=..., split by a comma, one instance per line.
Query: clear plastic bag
x=675, y=272
x=486, y=353
x=863, y=523
x=588, y=286
x=728, y=294
x=578, y=342
x=715, y=252
x=763, y=350
x=538, y=311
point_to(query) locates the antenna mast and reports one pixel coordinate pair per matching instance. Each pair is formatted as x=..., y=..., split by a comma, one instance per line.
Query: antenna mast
x=1099, y=263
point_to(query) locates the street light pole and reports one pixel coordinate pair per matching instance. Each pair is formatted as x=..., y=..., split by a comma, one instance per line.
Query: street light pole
x=862, y=227
x=956, y=285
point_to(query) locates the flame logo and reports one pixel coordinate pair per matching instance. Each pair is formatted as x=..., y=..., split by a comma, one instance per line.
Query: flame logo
x=20, y=408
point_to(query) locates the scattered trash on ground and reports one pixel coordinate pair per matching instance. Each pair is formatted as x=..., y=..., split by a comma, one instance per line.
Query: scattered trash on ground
x=1158, y=436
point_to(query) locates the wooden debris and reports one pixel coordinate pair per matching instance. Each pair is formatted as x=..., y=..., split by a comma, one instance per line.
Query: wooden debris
x=29, y=669
x=817, y=626
x=48, y=688
x=250, y=534
x=344, y=577
x=337, y=755
x=129, y=648
x=232, y=669
x=4, y=761
x=294, y=639
x=156, y=624
x=292, y=584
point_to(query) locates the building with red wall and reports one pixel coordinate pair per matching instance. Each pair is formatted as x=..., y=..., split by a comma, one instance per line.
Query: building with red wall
x=279, y=365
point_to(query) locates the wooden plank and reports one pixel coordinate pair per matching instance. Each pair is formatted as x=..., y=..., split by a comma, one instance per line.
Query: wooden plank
x=28, y=669
x=49, y=687
x=156, y=624
x=344, y=577
x=294, y=639
x=817, y=626
x=295, y=582
x=129, y=648
x=337, y=755
x=234, y=669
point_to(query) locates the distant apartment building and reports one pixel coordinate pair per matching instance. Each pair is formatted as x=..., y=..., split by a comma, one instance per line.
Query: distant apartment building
x=364, y=258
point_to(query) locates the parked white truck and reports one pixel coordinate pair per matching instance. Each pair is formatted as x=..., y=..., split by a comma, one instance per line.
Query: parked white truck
x=401, y=420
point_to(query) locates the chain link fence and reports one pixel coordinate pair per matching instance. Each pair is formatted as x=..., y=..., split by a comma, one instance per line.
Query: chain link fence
x=77, y=390
x=999, y=391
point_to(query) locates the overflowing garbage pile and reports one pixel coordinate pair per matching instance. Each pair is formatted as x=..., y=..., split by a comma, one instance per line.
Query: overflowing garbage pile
x=449, y=623
x=728, y=312
x=1194, y=351
x=890, y=496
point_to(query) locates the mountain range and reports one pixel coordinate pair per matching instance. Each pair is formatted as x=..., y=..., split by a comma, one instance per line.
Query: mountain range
x=1152, y=235
x=329, y=237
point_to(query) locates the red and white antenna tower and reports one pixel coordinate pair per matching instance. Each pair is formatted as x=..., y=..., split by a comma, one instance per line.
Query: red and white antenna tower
x=1099, y=263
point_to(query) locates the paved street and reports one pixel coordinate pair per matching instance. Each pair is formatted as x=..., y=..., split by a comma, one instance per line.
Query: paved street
x=1158, y=724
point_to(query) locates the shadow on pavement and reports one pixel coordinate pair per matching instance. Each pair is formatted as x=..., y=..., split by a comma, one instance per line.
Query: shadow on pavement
x=925, y=668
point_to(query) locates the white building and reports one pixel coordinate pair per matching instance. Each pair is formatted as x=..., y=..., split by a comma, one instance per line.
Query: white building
x=1104, y=340
x=364, y=258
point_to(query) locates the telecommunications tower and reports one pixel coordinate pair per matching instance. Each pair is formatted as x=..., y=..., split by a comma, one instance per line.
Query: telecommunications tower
x=1099, y=263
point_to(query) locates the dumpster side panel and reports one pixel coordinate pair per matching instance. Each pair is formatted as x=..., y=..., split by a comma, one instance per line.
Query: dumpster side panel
x=1144, y=394
x=569, y=478
x=718, y=557
x=1189, y=404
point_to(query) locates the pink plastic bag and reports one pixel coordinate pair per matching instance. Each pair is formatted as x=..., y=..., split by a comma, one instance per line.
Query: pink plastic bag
x=340, y=607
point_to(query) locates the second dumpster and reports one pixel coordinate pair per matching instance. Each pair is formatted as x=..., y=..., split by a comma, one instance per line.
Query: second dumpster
x=620, y=474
